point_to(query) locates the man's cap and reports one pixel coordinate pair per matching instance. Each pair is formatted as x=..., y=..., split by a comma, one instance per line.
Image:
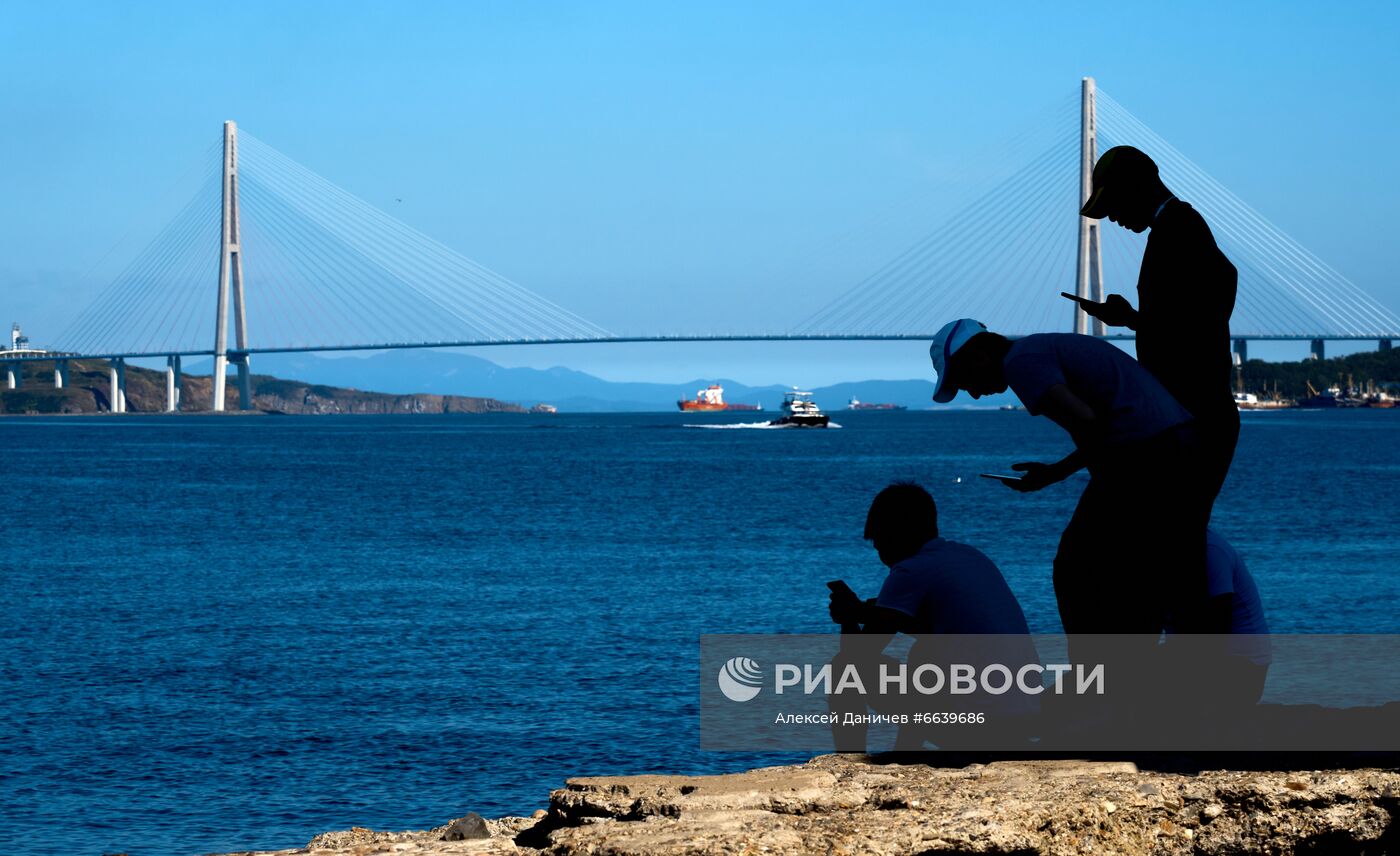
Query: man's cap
x=946, y=343
x=1118, y=167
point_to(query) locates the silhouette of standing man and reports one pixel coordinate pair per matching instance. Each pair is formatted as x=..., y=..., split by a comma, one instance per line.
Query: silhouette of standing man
x=1186, y=293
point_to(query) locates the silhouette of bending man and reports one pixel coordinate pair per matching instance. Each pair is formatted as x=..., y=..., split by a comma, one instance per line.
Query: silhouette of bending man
x=1135, y=546
x=1186, y=294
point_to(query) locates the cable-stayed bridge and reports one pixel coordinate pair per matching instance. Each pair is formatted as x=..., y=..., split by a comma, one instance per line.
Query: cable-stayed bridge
x=295, y=263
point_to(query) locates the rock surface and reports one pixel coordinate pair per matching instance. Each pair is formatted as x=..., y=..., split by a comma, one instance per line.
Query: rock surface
x=466, y=828
x=849, y=804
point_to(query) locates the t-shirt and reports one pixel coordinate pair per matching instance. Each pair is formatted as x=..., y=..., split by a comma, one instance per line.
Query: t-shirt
x=949, y=587
x=1104, y=377
x=1186, y=293
x=1226, y=574
x=953, y=590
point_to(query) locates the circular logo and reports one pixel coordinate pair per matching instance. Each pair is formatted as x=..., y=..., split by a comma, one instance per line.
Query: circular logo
x=740, y=679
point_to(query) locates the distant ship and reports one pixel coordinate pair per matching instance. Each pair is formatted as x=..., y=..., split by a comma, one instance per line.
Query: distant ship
x=712, y=398
x=860, y=405
x=799, y=409
x=1250, y=401
x=1332, y=396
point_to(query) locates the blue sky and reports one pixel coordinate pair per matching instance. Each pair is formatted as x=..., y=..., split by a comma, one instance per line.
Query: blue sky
x=657, y=167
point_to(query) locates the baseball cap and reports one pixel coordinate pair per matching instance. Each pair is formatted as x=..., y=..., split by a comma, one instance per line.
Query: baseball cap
x=946, y=343
x=1119, y=166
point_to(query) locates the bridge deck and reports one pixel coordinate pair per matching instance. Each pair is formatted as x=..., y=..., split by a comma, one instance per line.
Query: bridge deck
x=613, y=340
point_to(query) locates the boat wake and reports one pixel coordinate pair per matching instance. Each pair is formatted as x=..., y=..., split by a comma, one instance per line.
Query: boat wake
x=753, y=426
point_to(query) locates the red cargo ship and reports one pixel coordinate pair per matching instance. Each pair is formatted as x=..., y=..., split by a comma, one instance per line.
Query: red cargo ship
x=712, y=398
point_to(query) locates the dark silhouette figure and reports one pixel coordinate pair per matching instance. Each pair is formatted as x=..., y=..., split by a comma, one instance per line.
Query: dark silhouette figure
x=1135, y=547
x=940, y=592
x=1186, y=294
x=1229, y=665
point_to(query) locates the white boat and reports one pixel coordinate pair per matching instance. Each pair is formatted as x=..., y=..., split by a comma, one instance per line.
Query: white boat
x=799, y=409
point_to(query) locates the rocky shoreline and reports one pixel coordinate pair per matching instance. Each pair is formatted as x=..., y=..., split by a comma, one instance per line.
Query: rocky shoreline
x=855, y=804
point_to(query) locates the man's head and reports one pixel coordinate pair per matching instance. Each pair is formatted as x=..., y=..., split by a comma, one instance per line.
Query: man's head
x=901, y=520
x=967, y=357
x=1127, y=189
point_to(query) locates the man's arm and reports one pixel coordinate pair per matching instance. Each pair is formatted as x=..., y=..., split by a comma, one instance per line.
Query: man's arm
x=1038, y=475
x=865, y=616
x=877, y=630
x=883, y=621
x=1070, y=412
x=1115, y=311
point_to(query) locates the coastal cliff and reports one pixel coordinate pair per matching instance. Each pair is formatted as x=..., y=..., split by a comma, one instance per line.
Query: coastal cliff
x=89, y=391
x=850, y=804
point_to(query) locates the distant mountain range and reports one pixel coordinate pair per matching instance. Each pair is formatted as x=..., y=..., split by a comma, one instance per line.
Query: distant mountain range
x=449, y=373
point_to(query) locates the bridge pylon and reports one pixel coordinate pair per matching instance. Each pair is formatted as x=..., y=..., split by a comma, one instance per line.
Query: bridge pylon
x=231, y=278
x=1089, y=271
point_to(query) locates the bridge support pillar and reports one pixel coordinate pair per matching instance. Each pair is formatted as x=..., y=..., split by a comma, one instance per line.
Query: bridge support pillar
x=14, y=375
x=1089, y=270
x=230, y=278
x=1242, y=348
x=1384, y=345
x=1318, y=350
x=245, y=382
x=60, y=374
x=174, y=383
x=219, y=379
x=117, y=380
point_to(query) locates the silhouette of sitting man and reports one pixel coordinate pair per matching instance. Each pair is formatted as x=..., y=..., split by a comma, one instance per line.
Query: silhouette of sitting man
x=939, y=592
x=1186, y=294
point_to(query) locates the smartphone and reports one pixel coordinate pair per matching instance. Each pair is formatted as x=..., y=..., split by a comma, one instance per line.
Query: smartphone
x=1001, y=478
x=1077, y=299
x=839, y=587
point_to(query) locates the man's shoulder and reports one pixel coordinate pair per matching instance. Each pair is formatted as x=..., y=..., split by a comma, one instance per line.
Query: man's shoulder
x=959, y=548
x=1036, y=344
x=942, y=554
x=1220, y=550
x=1179, y=219
x=1053, y=340
x=1038, y=340
x=1057, y=346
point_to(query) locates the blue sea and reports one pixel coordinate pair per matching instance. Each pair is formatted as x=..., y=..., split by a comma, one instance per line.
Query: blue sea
x=235, y=633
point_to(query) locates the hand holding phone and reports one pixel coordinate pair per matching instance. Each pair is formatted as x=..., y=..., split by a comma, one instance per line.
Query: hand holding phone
x=1115, y=310
x=846, y=608
x=840, y=589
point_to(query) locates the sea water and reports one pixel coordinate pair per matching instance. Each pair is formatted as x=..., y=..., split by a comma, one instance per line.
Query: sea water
x=232, y=633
